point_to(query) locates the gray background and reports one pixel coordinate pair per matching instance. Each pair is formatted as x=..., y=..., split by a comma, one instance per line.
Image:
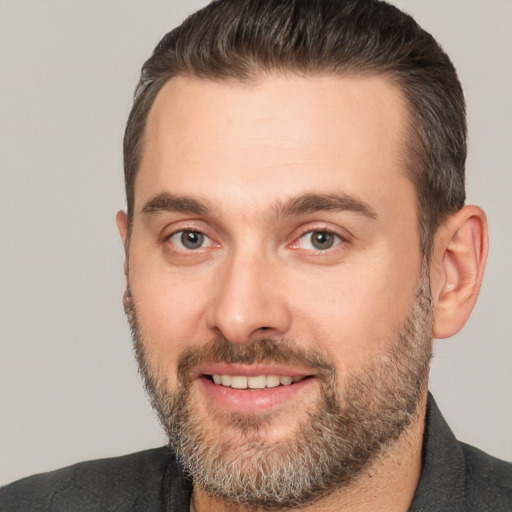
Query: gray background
x=69, y=389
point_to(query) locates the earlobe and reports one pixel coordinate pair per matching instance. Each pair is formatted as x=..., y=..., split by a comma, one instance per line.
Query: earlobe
x=457, y=268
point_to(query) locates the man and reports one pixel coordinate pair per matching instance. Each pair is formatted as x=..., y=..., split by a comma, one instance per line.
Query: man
x=295, y=237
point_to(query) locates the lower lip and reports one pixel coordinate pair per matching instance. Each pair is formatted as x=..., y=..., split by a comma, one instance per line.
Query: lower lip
x=252, y=400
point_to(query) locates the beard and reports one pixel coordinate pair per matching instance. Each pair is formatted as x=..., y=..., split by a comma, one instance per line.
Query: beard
x=351, y=424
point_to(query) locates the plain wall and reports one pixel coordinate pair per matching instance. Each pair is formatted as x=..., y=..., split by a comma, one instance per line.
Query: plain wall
x=69, y=388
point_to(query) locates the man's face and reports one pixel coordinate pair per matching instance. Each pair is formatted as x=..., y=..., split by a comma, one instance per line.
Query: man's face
x=274, y=263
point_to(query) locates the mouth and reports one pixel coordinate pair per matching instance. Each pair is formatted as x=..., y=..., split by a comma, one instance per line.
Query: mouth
x=253, y=382
x=251, y=389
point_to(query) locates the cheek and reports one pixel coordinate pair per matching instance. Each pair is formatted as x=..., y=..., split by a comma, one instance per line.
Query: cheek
x=356, y=312
x=169, y=313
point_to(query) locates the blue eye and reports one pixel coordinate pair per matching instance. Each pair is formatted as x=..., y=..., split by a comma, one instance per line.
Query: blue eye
x=190, y=240
x=319, y=240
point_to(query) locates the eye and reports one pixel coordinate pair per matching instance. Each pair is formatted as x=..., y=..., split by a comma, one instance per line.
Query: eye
x=190, y=240
x=318, y=240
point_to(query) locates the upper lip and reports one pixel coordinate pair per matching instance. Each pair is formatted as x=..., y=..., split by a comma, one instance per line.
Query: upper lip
x=249, y=370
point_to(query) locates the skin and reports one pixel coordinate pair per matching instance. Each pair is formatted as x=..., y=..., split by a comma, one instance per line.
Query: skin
x=245, y=151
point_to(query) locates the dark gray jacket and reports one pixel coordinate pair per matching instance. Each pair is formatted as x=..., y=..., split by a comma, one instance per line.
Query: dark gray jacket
x=455, y=478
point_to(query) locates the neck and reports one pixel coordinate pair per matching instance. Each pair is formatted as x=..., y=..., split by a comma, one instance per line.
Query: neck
x=389, y=483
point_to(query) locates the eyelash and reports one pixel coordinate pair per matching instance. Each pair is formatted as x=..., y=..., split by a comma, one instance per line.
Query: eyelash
x=339, y=239
x=169, y=237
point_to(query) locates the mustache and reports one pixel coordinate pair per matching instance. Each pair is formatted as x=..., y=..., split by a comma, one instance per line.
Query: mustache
x=261, y=351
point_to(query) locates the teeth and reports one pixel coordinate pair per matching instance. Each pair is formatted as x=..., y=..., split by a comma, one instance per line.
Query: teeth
x=238, y=382
x=258, y=382
x=273, y=381
x=285, y=380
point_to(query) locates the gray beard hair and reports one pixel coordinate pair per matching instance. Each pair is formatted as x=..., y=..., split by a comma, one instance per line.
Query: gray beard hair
x=342, y=433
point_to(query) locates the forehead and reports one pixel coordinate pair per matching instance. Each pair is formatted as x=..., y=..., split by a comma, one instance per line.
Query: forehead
x=272, y=138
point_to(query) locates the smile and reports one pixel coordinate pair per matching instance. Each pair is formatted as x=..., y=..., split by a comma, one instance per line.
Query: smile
x=254, y=382
x=252, y=389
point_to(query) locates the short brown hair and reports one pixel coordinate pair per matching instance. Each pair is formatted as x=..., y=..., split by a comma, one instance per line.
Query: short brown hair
x=242, y=39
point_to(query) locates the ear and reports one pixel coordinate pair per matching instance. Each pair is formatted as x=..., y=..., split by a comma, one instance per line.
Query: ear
x=122, y=227
x=457, y=268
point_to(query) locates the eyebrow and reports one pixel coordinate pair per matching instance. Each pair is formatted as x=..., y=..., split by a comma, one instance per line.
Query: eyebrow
x=297, y=205
x=166, y=202
x=311, y=203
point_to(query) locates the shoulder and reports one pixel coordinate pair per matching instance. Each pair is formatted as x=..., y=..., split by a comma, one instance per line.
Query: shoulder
x=488, y=480
x=456, y=476
x=105, y=484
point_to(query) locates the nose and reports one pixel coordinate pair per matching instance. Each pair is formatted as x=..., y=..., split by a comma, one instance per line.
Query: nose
x=247, y=301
